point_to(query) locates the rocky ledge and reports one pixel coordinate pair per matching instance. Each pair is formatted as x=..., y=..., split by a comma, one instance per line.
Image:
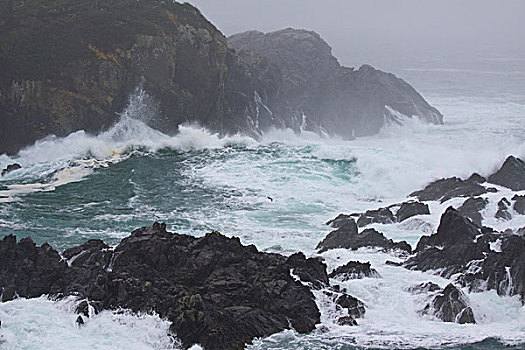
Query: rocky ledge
x=214, y=291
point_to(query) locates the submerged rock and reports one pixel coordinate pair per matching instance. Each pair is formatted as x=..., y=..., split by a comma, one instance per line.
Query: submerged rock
x=10, y=168
x=214, y=291
x=423, y=288
x=510, y=175
x=353, y=270
x=451, y=305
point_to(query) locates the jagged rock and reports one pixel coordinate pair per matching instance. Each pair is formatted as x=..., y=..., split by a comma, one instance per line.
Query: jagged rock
x=453, y=229
x=503, y=213
x=471, y=209
x=340, y=100
x=477, y=178
x=409, y=209
x=459, y=249
x=214, y=291
x=510, y=175
x=80, y=320
x=311, y=270
x=10, y=168
x=451, y=305
x=339, y=220
x=445, y=189
x=348, y=238
x=339, y=237
x=354, y=306
x=346, y=321
x=354, y=270
x=379, y=216
x=519, y=204
x=423, y=288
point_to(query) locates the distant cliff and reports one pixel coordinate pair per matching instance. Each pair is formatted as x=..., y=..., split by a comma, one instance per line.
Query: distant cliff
x=332, y=98
x=71, y=65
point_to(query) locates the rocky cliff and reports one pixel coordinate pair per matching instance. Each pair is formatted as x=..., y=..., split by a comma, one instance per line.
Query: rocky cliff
x=71, y=65
x=318, y=92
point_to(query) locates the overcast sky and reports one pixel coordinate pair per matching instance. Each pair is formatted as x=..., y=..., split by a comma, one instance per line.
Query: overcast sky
x=372, y=30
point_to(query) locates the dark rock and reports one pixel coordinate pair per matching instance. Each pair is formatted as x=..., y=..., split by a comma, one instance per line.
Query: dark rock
x=451, y=305
x=10, y=168
x=214, y=291
x=80, y=320
x=340, y=237
x=340, y=100
x=354, y=306
x=311, y=270
x=339, y=221
x=510, y=175
x=453, y=229
x=423, y=288
x=519, y=204
x=503, y=213
x=380, y=216
x=446, y=189
x=350, y=239
x=84, y=306
x=346, y=321
x=477, y=178
x=353, y=270
x=393, y=263
x=409, y=209
x=471, y=209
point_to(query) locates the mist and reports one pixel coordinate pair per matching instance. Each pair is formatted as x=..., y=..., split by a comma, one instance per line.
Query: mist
x=386, y=33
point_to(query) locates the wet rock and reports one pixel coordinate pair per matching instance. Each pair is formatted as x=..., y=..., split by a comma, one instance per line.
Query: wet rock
x=10, y=168
x=409, y=209
x=424, y=288
x=393, y=263
x=471, y=209
x=451, y=305
x=340, y=237
x=354, y=270
x=346, y=321
x=519, y=204
x=379, y=216
x=349, y=239
x=503, y=212
x=339, y=221
x=510, y=175
x=477, y=178
x=453, y=229
x=80, y=320
x=446, y=189
x=84, y=308
x=354, y=306
x=213, y=290
x=311, y=270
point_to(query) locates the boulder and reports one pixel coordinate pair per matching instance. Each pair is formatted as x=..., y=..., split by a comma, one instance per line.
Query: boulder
x=338, y=238
x=445, y=189
x=379, y=216
x=339, y=220
x=510, y=175
x=409, y=209
x=451, y=305
x=503, y=209
x=354, y=270
x=354, y=306
x=424, y=288
x=471, y=209
x=519, y=204
x=10, y=168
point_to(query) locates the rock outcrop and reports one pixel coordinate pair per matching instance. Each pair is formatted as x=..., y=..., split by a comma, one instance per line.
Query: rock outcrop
x=320, y=94
x=73, y=65
x=10, y=168
x=214, y=291
x=511, y=174
x=354, y=270
x=451, y=305
x=479, y=260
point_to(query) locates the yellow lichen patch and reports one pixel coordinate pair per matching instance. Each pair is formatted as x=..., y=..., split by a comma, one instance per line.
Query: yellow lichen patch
x=171, y=16
x=104, y=56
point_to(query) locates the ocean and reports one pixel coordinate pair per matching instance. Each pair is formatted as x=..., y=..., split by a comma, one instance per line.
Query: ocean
x=276, y=193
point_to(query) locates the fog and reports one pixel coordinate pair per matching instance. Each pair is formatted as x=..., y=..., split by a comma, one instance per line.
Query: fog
x=386, y=31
